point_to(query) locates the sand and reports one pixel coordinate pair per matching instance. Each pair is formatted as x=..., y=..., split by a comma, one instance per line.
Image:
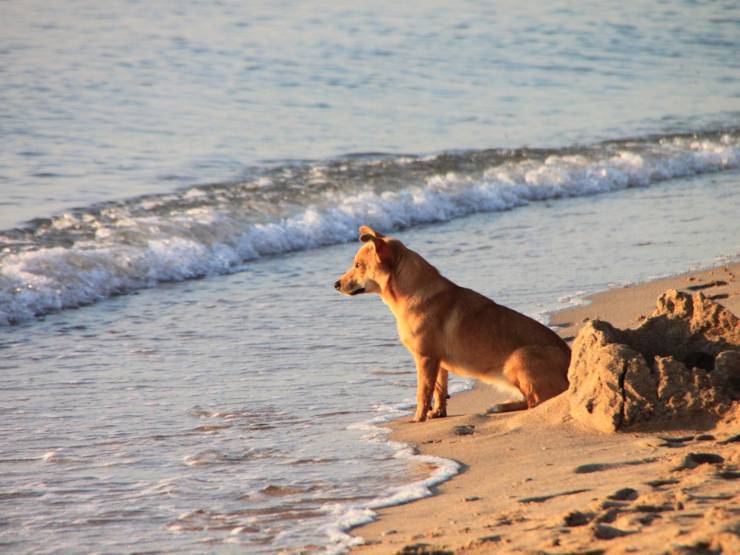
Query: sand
x=539, y=482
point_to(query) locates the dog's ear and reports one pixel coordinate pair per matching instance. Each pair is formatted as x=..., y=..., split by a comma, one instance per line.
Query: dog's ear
x=366, y=232
x=383, y=249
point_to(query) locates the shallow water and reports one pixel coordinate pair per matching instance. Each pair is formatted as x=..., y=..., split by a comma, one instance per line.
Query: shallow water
x=175, y=366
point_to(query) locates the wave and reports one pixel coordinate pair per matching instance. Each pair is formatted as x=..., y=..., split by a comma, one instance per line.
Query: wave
x=93, y=253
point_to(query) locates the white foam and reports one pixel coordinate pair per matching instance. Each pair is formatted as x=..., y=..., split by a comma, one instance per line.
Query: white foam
x=348, y=516
x=59, y=456
x=131, y=252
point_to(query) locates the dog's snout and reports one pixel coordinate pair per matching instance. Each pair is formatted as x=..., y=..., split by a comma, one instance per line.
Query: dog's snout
x=337, y=285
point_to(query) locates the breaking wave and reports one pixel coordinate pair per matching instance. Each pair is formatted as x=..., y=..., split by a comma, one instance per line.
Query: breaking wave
x=96, y=252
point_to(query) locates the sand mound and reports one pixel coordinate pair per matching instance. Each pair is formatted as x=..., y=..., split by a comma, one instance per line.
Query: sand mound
x=680, y=367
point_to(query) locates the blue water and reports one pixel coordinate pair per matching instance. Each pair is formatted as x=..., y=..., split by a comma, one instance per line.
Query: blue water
x=107, y=100
x=532, y=151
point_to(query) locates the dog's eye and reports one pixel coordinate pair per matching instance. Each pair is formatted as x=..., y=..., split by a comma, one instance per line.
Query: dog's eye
x=358, y=265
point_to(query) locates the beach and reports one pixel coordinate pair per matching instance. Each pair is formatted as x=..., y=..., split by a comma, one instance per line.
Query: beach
x=182, y=183
x=537, y=481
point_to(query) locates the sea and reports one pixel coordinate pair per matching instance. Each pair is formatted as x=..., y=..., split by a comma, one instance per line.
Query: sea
x=181, y=183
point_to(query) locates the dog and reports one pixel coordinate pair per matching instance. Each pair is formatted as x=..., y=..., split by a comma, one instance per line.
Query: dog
x=448, y=328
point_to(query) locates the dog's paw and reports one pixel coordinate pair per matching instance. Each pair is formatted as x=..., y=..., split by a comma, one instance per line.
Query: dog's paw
x=437, y=413
x=419, y=416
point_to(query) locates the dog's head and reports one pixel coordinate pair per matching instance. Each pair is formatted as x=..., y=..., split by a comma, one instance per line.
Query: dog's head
x=372, y=264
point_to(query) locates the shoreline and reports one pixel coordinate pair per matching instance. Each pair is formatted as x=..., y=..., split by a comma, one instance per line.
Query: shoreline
x=521, y=488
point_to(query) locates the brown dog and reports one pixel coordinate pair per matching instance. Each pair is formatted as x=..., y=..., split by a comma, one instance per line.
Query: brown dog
x=450, y=328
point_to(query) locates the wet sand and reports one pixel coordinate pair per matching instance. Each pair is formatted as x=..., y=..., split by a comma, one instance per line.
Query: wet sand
x=537, y=481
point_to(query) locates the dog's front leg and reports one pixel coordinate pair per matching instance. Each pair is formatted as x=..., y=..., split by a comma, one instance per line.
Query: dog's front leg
x=427, y=369
x=439, y=410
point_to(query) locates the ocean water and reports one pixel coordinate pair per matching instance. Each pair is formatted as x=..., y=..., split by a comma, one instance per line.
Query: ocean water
x=181, y=184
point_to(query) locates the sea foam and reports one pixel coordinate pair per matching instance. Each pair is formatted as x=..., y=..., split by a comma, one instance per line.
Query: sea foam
x=81, y=257
x=345, y=516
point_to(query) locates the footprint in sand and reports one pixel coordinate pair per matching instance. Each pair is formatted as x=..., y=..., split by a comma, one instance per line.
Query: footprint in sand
x=692, y=460
x=598, y=467
x=624, y=494
x=606, y=532
x=699, y=287
x=733, y=439
x=424, y=549
x=577, y=518
x=658, y=484
x=543, y=498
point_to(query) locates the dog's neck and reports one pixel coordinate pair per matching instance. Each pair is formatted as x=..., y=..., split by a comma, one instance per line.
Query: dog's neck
x=410, y=282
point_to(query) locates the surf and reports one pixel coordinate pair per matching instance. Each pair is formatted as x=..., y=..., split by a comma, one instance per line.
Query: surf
x=92, y=253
